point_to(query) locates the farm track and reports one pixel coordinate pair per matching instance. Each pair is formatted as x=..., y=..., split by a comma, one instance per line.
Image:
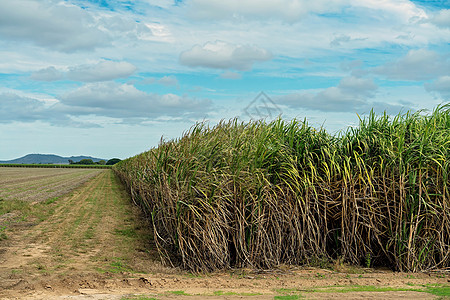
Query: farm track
x=90, y=235
x=92, y=245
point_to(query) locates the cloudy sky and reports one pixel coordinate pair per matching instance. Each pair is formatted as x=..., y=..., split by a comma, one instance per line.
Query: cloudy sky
x=111, y=78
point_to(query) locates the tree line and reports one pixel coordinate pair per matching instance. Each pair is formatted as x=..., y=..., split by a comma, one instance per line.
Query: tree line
x=112, y=161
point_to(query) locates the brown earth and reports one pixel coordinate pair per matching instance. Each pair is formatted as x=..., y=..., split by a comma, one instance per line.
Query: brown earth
x=92, y=244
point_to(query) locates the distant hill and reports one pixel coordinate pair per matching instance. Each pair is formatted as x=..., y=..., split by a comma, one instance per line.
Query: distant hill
x=47, y=159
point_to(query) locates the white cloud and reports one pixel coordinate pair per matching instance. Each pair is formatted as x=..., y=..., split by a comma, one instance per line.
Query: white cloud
x=47, y=74
x=350, y=95
x=230, y=75
x=442, y=19
x=358, y=86
x=351, y=65
x=168, y=81
x=159, y=32
x=403, y=9
x=162, y=3
x=124, y=26
x=417, y=65
x=97, y=101
x=55, y=25
x=105, y=95
x=287, y=10
x=340, y=39
x=441, y=85
x=222, y=55
x=124, y=101
x=295, y=10
x=17, y=108
x=102, y=71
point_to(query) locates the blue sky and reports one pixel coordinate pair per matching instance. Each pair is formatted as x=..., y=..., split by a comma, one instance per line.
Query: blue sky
x=111, y=78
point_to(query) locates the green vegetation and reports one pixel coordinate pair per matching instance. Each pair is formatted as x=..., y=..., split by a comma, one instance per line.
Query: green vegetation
x=262, y=194
x=3, y=235
x=222, y=293
x=366, y=288
x=18, y=210
x=82, y=162
x=138, y=297
x=128, y=232
x=439, y=290
x=179, y=293
x=9, y=206
x=87, y=162
x=288, y=297
x=113, y=161
x=118, y=265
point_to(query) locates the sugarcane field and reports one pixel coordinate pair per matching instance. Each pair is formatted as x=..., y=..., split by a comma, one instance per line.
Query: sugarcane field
x=258, y=210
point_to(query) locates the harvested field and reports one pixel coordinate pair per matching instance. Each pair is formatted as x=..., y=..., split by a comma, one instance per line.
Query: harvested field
x=38, y=184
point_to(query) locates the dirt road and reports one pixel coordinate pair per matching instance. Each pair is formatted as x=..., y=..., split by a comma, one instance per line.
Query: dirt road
x=92, y=244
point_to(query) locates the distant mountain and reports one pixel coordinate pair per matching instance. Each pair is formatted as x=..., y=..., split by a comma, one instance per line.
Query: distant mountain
x=47, y=159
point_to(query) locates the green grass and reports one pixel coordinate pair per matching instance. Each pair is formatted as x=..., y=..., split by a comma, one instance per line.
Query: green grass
x=9, y=206
x=89, y=233
x=366, y=288
x=117, y=265
x=3, y=235
x=439, y=290
x=288, y=297
x=138, y=297
x=222, y=293
x=293, y=294
x=25, y=211
x=51, y=200
x=263, y=194
x=178, y=293
x=288, y=293
x=127, y=232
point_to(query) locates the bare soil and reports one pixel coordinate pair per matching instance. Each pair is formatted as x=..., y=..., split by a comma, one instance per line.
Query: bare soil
x=93, y=244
